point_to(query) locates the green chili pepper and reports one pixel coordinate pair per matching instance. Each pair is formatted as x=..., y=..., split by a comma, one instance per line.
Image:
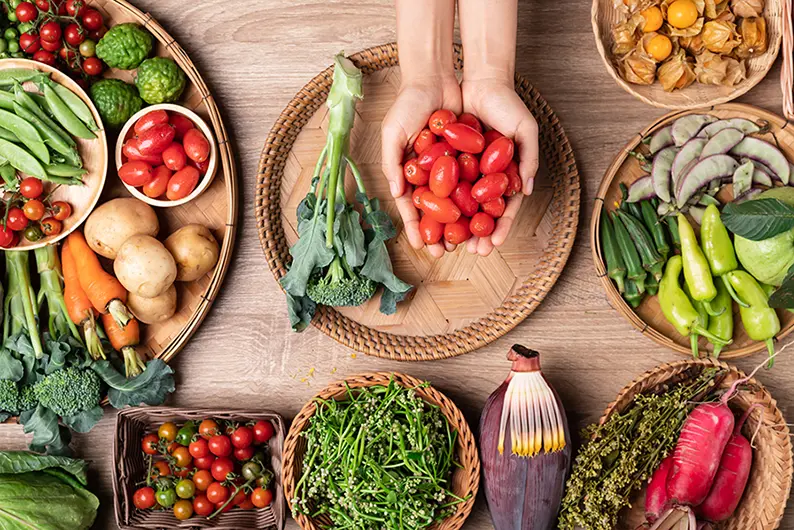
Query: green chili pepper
x=677, y=307
x=26, y=100
x=696, y=268
x=672, y=229
x=651, y=259
x=51, y=137
x=655, y=227
x=616, y=269
x=760, y=321
x=27, y=134
x=632, y=295
x=703, y=321
x=718, y=248
x=634, y=269
x=722, y=325
x=64, y=114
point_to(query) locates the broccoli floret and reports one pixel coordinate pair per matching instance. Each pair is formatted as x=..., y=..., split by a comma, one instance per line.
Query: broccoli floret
x=340, y=286
x=69, y=391
x=27, y=398
x=9, y=396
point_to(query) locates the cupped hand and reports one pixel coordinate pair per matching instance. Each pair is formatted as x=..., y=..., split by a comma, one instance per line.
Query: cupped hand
x=498, y=106
x=407, y=117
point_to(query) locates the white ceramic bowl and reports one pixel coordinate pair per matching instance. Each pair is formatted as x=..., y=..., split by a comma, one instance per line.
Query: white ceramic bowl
x=206, y=180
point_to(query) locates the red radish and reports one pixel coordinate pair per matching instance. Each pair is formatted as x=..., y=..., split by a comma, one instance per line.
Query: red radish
x=656, y=498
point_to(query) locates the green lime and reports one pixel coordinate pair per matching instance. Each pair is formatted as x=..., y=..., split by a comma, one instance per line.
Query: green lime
x=11, y=34
x=13, y=46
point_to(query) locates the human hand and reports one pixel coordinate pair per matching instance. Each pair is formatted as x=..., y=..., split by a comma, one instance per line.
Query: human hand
x=418, y=98
x=496, y=104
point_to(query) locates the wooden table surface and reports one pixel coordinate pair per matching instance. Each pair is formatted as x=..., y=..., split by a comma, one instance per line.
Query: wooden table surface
x=255, y=55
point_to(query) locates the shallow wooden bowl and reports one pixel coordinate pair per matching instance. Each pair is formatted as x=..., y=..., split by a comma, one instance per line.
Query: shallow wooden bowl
x=604, y=15
x=465, y=477
x=769, y=485
x=200, y=124
x=94, y=153
x=648, y=317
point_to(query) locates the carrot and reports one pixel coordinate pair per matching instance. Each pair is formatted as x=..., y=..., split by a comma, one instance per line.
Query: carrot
x=79, y=307
x=656, y=498
x=105, y=292
x=124, y=339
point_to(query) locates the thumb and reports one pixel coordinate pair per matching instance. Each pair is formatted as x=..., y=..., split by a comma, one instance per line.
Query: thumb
x=527, y=143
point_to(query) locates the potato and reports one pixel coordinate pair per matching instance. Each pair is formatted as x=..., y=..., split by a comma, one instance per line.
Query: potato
x=113, y=223
x=152, y=310
x=144, y=266
x=195, y=251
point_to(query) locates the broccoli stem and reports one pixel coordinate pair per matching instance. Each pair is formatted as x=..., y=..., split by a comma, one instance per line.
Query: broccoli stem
x=337, y=145
x=51, y=289
x=359, y=184
x=18, y=267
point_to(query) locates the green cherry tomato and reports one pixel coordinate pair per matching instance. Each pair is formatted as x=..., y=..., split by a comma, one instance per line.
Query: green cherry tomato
x=166, y=498
x=88, y=48
x=15, y=3
x=251, y=470
x=185, y=489
x=33, y=233
x=25, y=27
x=12, y=17
x=4, y=55
x=3, y=45
x=13, y=46
x=11, y=34
x=186, y=433
x=18, y=55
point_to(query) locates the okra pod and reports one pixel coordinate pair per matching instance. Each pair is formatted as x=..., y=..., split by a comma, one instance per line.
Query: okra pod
x=655, y=227
x=616, y=269
x=672, y=229
x=631, y=207
x=651, y=259
x=652, y=285
x=632, y=295
x=631, y=258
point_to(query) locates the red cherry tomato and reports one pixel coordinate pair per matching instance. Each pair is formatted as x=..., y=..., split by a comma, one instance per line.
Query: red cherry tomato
x=43, y=5
x=75, y=8
x=464, y=138
x=469, y=167
x=26, y=12
x=53, y=46
x=8, y=238
x=73, y=35
x=199, y=448
x=242, y=437
x=149, y=120
x=208, y=429
x=430, y=229
x=61, y=210
x=156, y=139
x=243, y=454
x=263, y=431
x=158, y=185
x=201, y=166
x=51, y=32
x=196, y=145
x=428, y=158
x=223, y=507
x=161, y=469
x=439, y=120
x=149, y=444
x=31, y=188
x=34, y=209
x=70, y=58
x=16, y=219
x=29, y=43
x=143, y=499
x=174, y=157
x=181, y=123
x=202, y=479
x=220, y=445
x=97, y=34
x=490, y=187
x=497, y=156
x=471, y=120
x=442, y=209
x=45, y=57
x=92, y=66
x=135, y=173
x=246, y=504
x=514, y=184
x=444, y=176
x=457, y=232
x=217, y=493
x=261, y=497
x=131, y=151
x=221, y=468
x=204, y=462
x=92, y=19
x=462, y=198
x=182, y=183
x=495, y=207
x=202, y=506
x=482, y=224
x=416, y=196
x=423, y=141
x=415, y=174
x=490, y=136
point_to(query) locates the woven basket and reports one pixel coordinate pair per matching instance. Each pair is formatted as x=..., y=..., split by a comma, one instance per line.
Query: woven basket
x=769, y=484
x=513, y=295
x=648, y=317
x=603, y=18
x=465, y=479
x=129, y=468
x=787, y=70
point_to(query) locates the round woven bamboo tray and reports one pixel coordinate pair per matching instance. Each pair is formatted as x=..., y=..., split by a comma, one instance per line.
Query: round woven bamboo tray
x=216, y=208
x=461, y=302
x=604, y=15
x=769, y=484
x=648, y=317
x=465, y=478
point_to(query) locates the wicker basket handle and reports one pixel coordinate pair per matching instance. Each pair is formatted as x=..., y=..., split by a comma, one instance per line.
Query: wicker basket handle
x=787, y=72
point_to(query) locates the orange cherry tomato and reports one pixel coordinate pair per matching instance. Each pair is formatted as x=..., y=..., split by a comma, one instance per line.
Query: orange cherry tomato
x=469, y=167
x=462, y=198
x=471, y=120
x=158, y=184
x=430, y=229
x=167, y=431
x=51, y=226
x=160, y=469
x=182, y=457
x=495, y=207
x=490, y=136
x=514, y=184
x=182, y=183
x=174, y=157
x=61, y=210
x=34, y=209
x=497, y=156
x=438, y=149
x=482, y=224
x=261, y=497
x=181, y=123
x=457, y=232
x=417, y=195
x=439, y=120
x=149, y=120
x=415, y=174
x=490, y=187
x=196, y=146
x=444, y=176
x=208, y=429
x=423, y=141
x=202, y=479
x=442, y=209
x=183, y=510
x=135, y=173
x=463, y=138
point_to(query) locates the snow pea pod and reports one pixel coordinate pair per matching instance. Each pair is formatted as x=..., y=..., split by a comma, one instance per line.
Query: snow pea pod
x=9, y=176
x=722, y=325
x=64, y=170
x=10, y=76
x=21, y=159
x=696, y=267
x=6, y=100
x=26, y=133
x=25, y=99
x=75, y=104
x=5, y=134
x=51, y=138
x=760, y=321
x=65, y=116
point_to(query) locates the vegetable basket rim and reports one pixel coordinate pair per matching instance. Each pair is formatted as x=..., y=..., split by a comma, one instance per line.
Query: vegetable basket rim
x=563, y=173
x=466, y=451
x=613, y=296
x=764, y=500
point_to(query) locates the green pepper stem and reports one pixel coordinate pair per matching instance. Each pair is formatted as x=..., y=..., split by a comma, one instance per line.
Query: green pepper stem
x=710, y=310
x=696, y=329
x=693, y=344
x=732, y=292
x=717, y=351
x=770, y=346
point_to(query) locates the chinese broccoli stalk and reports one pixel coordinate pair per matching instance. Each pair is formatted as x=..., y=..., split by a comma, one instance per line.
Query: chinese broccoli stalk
x=20, y=306
x=51, y=291
x=335, y=260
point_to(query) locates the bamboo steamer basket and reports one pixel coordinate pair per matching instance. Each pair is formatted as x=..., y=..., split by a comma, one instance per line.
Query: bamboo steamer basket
x=465, y=479
x=461, y=302
x=769, y=485
x=130, y=467
x=648, y=317
x=604, y=16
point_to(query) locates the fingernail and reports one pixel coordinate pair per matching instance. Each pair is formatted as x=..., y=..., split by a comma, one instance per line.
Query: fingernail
x=529, y=186
x=395, y=189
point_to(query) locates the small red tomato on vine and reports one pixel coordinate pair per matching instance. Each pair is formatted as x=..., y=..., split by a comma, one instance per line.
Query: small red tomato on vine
x=6, y=237
x=51, y=32
x=73, y=34
x=43, y=5
x=34, y=209
x=26, y=12
x=61, y=210
x=53, y=46
x=16, y=219
x=29, y=43
x=92, y=66
x=31, y=188
x=51, y=226
x=44, y=57
x=92, y=19
x=75, y=8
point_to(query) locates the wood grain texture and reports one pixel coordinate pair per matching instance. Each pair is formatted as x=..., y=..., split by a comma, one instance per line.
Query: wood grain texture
x=255, y=55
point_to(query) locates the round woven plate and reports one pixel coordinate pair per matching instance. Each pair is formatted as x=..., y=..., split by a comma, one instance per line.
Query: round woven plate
x=648, y=317
x=465, y=477
x=461, y=302
x=769, y=485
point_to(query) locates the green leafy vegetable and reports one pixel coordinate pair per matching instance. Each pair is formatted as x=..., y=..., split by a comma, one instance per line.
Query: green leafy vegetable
x=48, y=436
x=149, y=388
x=13, y=462
x=758, y=219
x=783, y=297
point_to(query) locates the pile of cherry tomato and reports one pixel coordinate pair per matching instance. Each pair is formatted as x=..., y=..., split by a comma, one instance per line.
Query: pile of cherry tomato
x=166, y=157
x=65, y=30
x=462, y=176
x=206, y=468
x=30, y=213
